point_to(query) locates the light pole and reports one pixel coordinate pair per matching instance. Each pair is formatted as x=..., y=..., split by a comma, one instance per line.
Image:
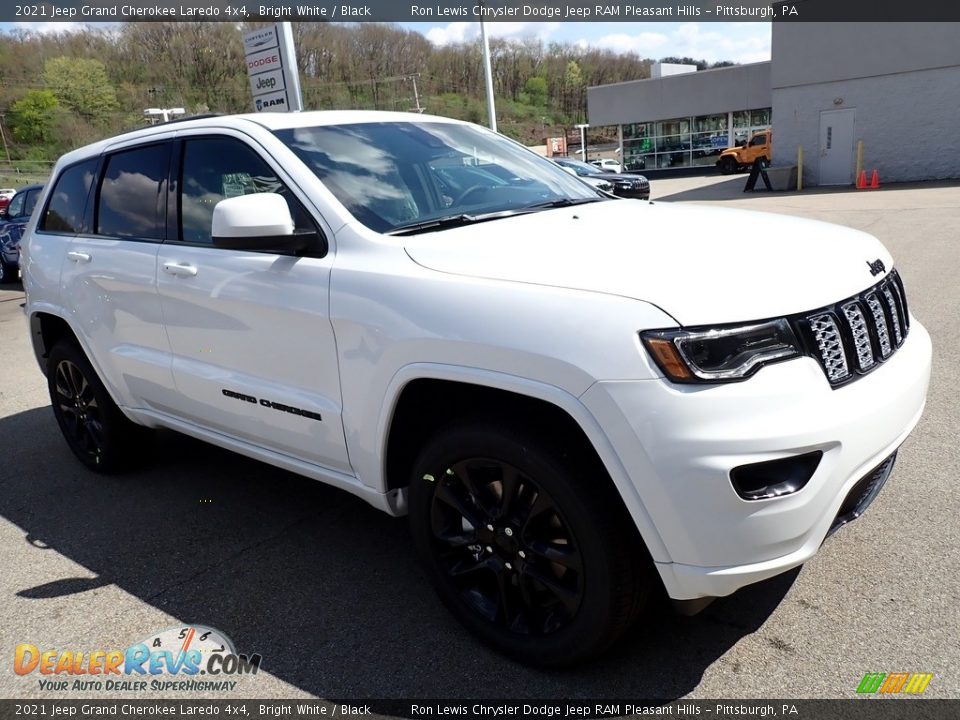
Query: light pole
x=164, y=112
x=583, y=139
x=488, y=73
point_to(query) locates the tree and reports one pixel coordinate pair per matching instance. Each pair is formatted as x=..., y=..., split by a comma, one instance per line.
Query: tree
x=574, y=89
x=536, y=89
x=82, y=85
x=32, y=117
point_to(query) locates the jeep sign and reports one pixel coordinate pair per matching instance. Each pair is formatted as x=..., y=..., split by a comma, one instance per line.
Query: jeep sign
x=266, y=82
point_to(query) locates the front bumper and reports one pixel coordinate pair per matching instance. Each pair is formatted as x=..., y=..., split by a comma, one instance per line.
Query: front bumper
x=679, y=443
x=633, y=193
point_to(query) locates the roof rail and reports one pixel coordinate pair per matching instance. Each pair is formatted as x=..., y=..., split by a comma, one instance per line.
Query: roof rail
x=187, y=117
x=169, y=122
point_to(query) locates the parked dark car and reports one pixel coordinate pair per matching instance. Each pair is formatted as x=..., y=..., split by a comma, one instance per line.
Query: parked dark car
x=624, y=184
x=13, y=219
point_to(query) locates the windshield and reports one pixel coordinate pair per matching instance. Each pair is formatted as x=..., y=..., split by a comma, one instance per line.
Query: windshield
x=394, y=175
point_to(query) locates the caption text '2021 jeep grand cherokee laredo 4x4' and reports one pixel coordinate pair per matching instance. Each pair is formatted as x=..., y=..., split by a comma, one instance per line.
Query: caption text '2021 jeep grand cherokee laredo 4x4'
x=577, y=399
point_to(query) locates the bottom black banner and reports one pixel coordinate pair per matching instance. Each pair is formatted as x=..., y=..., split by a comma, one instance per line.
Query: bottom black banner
x=853, y=709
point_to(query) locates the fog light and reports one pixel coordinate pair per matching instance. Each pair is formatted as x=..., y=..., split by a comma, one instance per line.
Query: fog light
x=775, y=478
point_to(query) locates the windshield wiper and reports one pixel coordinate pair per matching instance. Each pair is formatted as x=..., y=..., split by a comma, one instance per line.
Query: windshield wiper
x=561, y=202
x=451, y=221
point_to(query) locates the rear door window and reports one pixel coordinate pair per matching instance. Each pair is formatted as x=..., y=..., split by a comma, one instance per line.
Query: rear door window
x=132, y=197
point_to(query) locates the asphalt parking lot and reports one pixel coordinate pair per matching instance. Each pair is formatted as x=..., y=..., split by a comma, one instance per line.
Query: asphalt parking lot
x=326, y=589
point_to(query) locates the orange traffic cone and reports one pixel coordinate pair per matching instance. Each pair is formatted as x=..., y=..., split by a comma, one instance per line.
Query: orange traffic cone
x=875, y=180
x=862, y=180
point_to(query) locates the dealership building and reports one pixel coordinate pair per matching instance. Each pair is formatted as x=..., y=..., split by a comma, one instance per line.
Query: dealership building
x=893, y=86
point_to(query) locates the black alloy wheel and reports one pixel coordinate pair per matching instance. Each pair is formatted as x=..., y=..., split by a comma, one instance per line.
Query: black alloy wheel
x=77, y=404
x=98, y=433
x=527, y=542
x=503, y=542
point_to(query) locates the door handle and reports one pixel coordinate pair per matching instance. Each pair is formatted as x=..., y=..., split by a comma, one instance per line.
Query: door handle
x=79, y=257
x=180, y=270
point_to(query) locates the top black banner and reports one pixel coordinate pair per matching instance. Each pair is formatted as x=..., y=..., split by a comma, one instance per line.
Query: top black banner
x=92, y=11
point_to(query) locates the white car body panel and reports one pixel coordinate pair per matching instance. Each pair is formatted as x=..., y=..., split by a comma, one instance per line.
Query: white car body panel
x=608, y=165
x=557, y=248
x=546, y=305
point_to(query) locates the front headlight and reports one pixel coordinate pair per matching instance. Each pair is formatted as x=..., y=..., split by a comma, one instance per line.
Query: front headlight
x=720, y=354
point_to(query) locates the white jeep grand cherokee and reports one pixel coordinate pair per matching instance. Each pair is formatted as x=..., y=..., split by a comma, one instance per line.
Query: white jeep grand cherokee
x=577, y=399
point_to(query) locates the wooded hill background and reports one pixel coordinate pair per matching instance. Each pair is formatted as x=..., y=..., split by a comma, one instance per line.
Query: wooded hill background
x=62, y=90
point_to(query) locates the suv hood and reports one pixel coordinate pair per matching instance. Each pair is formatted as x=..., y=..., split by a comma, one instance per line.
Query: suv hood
x=702, y=265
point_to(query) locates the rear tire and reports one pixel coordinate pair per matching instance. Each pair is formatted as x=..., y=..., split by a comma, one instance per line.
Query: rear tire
x=727, y=165
x=8, y=273
x=98, y=433
x=527, y=545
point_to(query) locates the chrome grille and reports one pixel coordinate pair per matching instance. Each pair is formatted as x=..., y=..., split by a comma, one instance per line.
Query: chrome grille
x=880, y=322
x=894, y=315
x=854, y=336
x=861, y=336
x=831, y=347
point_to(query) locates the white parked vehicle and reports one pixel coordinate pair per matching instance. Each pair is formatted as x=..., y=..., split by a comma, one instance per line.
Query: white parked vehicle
x=578, y=400
x=608, y=165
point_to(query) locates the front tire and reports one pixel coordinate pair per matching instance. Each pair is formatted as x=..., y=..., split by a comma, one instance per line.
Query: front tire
x=527, y=545
x=98, y=433
x=727, y=165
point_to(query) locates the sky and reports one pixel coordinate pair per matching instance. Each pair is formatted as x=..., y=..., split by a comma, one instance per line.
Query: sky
x=741, y=42
x=712, y=41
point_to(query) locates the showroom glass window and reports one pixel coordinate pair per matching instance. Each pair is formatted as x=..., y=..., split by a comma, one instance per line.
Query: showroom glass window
x=132, y=197
x=68, y=201
x=216, y=168
x=687, y=141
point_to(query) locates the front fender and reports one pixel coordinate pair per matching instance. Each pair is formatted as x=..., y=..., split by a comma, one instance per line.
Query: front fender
x=556, y=396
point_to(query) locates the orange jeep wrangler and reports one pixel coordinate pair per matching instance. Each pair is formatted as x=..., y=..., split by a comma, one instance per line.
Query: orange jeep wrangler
x=742, y=156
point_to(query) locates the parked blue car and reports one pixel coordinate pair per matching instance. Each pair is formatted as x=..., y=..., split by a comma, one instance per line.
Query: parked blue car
x=13, y=219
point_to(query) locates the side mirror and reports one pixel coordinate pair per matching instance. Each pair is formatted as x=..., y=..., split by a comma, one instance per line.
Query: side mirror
x=259, y=222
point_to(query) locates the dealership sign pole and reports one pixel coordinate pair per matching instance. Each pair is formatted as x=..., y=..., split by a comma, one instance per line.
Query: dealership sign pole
x=272, y=68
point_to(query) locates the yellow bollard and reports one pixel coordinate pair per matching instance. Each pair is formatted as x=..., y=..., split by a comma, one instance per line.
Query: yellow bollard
x=859, y=169
x=799, y=168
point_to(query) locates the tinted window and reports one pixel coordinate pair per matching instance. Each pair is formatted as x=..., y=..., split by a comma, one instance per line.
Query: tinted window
x=69, y=199
x=218, y=168
x=16, y=205
x=133, y=192
x=31, y=202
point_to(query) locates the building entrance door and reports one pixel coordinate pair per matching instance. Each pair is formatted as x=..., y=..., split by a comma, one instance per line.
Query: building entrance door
x=836, y=147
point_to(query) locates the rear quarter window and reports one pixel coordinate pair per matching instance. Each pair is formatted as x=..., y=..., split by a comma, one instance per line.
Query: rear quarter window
x=68, y=201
